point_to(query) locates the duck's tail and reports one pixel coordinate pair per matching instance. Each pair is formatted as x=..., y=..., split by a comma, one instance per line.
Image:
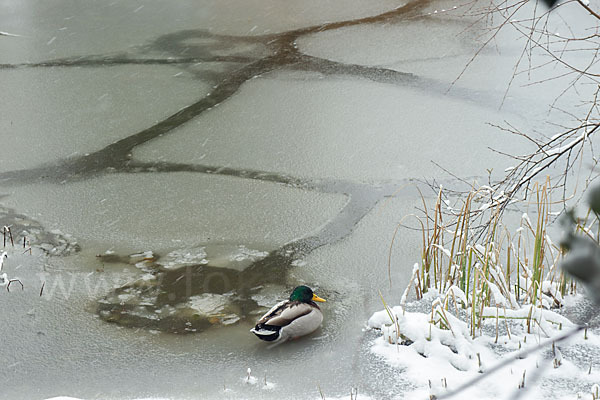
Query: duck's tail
x=267, y=333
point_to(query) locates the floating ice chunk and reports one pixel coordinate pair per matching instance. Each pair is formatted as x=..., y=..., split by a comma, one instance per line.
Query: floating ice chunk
x=184, y=257
x=298, y=263
x=148, y=277
x=125, y=297
x=141, y=257
x=269, y=295
x=245, y=253
x=208, y=303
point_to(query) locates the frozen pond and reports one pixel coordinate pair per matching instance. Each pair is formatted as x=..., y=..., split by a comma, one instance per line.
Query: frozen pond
x=179, y=166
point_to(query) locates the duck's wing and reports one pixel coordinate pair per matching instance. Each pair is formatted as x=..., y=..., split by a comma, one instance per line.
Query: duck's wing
x=272, y=312
x=284, y=313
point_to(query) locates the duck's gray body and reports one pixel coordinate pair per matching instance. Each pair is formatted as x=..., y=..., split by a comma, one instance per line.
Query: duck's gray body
x=288, y=320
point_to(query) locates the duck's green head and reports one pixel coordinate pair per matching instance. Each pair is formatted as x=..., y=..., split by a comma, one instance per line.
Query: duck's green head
x=304, y=294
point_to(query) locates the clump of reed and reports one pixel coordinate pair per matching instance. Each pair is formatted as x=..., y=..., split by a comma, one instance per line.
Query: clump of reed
x=473, y=260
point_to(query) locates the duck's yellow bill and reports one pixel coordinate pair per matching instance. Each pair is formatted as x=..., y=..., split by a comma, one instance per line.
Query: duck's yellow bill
x=317, y=298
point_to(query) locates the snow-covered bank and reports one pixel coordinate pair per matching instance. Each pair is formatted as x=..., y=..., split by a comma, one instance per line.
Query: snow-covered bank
x=434, y=361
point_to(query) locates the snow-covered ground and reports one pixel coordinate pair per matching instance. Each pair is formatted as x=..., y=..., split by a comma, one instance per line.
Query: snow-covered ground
x=434, y=361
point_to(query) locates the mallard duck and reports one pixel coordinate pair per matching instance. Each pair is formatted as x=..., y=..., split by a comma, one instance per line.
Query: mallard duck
x=292, y=318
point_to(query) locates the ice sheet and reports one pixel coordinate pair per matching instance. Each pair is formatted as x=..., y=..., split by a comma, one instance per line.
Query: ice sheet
x=53, y=113
x=166, y=211
x=354, y=129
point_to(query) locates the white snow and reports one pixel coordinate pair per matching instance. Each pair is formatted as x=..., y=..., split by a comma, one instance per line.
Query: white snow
x=439, y=360
x=570, y=145
x=526, y=218
x=3, y=256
